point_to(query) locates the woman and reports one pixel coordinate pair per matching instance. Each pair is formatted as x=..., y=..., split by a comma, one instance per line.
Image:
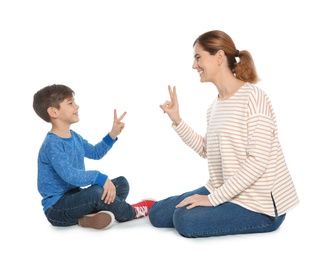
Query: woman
x=250, y=188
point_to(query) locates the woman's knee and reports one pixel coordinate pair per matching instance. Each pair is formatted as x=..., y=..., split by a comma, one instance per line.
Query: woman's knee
x=183, y=222
x=152, y=215
x=160, y=216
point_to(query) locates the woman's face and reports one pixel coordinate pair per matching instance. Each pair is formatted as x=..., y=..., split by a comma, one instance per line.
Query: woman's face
x=205, y=64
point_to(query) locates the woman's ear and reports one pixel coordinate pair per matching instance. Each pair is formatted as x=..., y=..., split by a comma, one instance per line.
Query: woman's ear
x=220, y=55
x=53, y=112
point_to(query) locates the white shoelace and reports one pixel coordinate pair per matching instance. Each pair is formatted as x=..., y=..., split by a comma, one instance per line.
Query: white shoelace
x=141, y=211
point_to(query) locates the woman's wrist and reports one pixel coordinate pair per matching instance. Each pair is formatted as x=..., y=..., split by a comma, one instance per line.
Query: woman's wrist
x=177, y=122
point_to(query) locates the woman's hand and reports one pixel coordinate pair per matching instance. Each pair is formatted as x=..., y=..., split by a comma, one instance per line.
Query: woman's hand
x=194, y=201
x=109, y=192
x=171, y=107
x=118, y=125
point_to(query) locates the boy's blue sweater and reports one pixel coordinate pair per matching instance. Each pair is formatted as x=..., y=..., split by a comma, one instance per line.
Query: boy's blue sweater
x=61, y=165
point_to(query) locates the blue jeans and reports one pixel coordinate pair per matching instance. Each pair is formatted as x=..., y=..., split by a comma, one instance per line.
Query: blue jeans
x=225, y=219
x=79, y=202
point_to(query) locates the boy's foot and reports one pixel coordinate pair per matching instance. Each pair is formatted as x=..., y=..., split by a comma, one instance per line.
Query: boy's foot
x=99, y=220
x=142, y=208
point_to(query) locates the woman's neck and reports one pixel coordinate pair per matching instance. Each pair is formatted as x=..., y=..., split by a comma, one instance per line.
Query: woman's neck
x=228, y=88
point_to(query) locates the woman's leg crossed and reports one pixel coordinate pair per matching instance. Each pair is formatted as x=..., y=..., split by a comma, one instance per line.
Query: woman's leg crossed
x=225, y=219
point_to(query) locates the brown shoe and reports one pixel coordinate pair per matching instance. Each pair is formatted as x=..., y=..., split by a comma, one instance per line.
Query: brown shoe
x=100, y=220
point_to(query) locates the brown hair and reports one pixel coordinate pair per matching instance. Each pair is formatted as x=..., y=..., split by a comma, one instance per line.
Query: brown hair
x=50, y=96
x=216, y=40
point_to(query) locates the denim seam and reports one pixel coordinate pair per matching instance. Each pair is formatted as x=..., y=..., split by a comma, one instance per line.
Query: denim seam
x=226, y=231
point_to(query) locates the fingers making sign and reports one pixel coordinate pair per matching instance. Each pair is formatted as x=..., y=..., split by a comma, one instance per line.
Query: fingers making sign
x=118, y=125
x=171, y=107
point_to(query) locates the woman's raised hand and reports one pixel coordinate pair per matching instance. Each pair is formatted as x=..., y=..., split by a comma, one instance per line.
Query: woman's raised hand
x=171, y=107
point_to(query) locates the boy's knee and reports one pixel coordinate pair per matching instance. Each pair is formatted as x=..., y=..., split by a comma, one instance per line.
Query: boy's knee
x=96, y=192
x=121, y=181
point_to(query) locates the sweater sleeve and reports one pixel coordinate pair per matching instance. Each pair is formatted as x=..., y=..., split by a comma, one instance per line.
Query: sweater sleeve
x=98, y=151
x=191, y=138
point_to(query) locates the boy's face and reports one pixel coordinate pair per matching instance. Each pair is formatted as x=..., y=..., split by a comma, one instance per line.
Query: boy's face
x=68, y=112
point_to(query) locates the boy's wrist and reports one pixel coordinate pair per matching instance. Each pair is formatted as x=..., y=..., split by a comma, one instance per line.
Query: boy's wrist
x=109, y=140
x=113, y=136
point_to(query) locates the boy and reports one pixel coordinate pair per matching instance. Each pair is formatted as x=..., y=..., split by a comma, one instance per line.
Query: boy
x=70, y=194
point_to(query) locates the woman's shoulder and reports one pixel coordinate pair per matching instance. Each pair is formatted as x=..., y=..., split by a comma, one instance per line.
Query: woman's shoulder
x=253, y=88
x=259, y=101
x=255, y=93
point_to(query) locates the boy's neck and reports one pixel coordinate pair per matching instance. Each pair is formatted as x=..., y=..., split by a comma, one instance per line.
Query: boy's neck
x=61, y=132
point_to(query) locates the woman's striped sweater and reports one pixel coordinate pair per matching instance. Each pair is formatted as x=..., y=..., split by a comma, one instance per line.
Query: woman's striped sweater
x=245, y=159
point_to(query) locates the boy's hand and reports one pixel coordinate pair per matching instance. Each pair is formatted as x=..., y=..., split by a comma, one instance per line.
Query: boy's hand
x=118, y=126
x=109, y=192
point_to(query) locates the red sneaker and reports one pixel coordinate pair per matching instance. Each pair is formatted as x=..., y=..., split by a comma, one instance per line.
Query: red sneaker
x=142, y=208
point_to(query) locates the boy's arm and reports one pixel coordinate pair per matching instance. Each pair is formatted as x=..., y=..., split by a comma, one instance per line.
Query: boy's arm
x=99, y=150
x=61, y=160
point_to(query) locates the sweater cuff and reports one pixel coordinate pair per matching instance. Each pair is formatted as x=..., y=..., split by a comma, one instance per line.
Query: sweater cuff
x=109, y=141
x=101, y=179
x=175, y=127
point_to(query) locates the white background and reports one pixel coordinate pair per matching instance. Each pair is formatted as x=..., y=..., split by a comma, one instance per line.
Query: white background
x=123, y=55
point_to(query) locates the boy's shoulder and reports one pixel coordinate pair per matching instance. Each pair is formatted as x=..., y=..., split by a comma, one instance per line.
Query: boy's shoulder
x=75, y=134
x=52, y=139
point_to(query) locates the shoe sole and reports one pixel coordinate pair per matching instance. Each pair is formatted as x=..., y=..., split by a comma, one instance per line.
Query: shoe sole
x=100, y=220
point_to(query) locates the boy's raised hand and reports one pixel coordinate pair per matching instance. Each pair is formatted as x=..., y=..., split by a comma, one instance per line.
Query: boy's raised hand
x=118, y=125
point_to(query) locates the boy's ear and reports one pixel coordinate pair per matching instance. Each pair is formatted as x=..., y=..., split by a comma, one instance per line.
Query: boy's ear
x=52, y=111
